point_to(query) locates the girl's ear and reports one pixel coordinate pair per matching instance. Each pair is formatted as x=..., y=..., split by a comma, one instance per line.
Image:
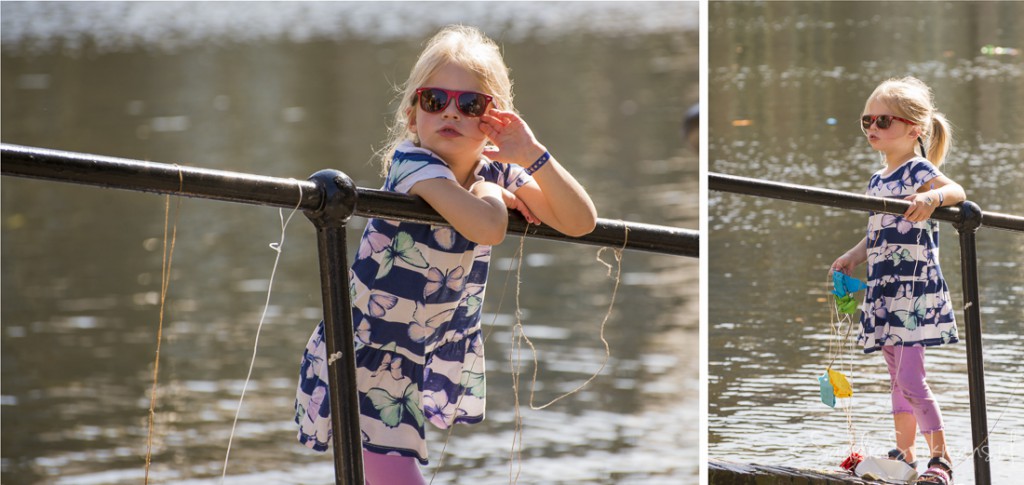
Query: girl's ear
x=411, y=114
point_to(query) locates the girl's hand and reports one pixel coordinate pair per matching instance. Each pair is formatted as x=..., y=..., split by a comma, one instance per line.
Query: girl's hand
x=553, y=195
x=484, y=189
x=515, y=203
x=512, y=138
x=851, y=259
x=844, y=264
x=922, y=205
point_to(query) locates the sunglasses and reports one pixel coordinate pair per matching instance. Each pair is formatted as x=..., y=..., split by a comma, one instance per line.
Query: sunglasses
x=882, y=121
x=469, y=103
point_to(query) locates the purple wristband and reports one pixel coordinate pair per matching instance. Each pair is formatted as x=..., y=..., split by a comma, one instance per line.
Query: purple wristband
x=538, y=164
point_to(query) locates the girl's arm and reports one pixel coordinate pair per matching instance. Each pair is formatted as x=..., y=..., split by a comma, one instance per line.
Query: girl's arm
x=559, y=201
x=555, y=197
x=937, y=192
x=851, y=259
x=479, y=214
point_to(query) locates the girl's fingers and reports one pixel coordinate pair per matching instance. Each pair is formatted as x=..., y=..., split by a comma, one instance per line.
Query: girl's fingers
x=527, y=214
x=488, y=131
x=489, y=118
x=493, y=127
x=493, y=119
x=491, y=124
x=500, y=112
x=504, y=118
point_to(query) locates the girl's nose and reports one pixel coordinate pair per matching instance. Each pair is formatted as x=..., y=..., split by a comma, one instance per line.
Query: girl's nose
x=451, y=111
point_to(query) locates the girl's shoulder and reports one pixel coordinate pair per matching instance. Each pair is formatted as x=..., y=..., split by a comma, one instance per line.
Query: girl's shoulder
x=902, y=180
x=411, y=164
x=911, y=169
x=920, y=162
x=407, y=152
x=921, y=170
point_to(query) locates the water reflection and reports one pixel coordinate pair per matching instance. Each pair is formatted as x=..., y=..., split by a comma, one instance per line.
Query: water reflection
x=82, y=266
x=787, y=83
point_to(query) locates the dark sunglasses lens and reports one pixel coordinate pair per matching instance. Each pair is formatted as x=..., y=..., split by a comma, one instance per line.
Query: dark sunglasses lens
x=433, y=100
x=881, y=121
x=472, y=104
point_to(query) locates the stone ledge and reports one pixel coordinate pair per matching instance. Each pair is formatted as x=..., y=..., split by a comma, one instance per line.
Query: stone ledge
x=728, y=473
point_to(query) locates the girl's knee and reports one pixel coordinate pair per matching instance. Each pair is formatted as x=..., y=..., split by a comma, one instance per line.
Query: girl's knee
x=913, y=387
x=904, y=412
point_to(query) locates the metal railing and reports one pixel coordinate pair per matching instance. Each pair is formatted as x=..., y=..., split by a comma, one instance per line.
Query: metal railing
x=967, y=217
x=329, y=199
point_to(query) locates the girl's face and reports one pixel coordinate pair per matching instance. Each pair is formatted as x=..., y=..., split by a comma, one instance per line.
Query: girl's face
x=452, y=135
x=896, y=140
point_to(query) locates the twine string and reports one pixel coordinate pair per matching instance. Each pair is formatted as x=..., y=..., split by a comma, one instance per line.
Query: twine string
x=276, y=247
x=165, y=281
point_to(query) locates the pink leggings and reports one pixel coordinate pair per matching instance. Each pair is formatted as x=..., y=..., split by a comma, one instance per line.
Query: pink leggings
x=391, y=469
x=910, y=392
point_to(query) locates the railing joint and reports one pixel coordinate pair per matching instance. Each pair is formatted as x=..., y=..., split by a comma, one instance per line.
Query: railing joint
x=970, y=217
x=339, y=198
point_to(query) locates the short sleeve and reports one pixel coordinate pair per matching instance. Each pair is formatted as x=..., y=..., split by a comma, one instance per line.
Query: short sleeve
x=509, y=176
x=516, y=177
x=410, y=167
x=921, y=171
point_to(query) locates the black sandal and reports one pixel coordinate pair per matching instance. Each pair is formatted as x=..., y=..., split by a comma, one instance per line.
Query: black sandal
x=939, y=472
x=896, y=454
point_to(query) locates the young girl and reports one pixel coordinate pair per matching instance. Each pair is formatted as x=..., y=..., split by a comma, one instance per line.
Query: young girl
x=417, y=289
x=907, y=307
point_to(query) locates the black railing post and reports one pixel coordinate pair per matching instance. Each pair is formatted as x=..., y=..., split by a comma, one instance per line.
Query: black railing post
x=339, y=196
x=970, y=221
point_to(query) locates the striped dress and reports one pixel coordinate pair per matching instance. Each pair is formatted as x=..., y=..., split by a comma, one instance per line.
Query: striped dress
x=417, y=291
x=907, y=301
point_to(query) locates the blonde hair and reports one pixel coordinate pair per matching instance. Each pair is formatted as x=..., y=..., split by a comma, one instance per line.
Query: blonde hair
x=463, y=46
x=911, y=98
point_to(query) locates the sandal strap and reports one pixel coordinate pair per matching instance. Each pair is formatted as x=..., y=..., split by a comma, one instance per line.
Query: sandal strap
x=938, y=461
x=896, y=454
x=935, y=475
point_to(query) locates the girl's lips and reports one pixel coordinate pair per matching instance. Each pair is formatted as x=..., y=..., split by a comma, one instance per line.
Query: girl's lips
x=449, y=132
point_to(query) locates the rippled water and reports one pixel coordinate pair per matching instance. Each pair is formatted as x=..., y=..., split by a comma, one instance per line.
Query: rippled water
x=787, y=83
x=82, y=265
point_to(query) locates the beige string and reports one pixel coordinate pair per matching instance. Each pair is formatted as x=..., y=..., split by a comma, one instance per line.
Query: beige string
x=252, y=362
x=165, y=281
x=490, y=329
x=604, y=322
x=515, y=357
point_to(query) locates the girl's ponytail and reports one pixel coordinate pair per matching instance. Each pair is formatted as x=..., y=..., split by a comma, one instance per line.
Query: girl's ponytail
x=940, y=140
